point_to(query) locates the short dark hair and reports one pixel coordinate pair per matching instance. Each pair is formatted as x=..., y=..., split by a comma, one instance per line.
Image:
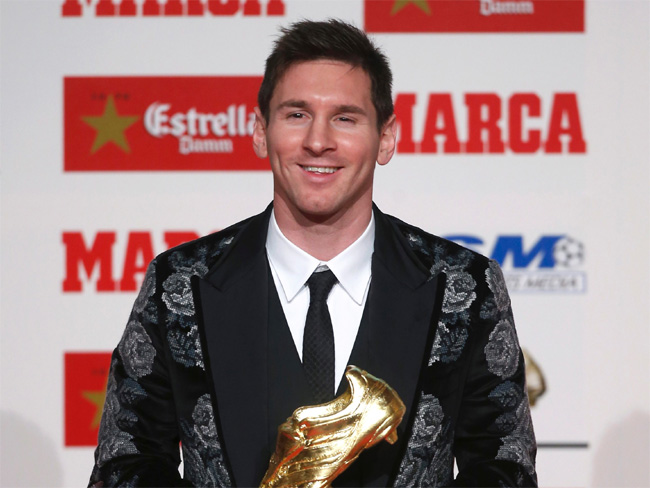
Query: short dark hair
x=333, y=39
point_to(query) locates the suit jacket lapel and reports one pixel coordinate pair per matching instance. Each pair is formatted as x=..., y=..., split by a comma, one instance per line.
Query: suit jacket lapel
x=403, y=306
x=234, y=304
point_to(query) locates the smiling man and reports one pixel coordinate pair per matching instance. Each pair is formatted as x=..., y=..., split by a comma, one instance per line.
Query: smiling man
x=232, y=332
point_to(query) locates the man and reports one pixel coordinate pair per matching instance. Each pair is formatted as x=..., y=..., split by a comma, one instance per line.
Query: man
x=219, y=348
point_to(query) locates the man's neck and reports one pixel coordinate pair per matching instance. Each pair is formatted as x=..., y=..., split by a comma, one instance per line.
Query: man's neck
x=321, y=237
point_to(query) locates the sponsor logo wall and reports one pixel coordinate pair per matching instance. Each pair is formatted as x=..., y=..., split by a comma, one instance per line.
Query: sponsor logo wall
x=522, y=134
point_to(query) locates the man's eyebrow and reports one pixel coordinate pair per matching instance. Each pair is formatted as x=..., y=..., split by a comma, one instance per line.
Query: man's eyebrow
x=293, y=104
x=351, y=109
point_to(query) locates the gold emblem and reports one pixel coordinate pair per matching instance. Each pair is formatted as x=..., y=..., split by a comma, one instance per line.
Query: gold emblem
x=110, y=127
x=535, y=382
x=97, y=398
x=317, y=443
x=400, y=4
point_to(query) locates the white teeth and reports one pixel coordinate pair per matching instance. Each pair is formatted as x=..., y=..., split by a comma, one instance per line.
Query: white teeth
x=316, y=169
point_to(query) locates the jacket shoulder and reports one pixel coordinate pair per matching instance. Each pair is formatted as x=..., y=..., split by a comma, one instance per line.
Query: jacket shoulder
x=436, y=253
x=200, y=255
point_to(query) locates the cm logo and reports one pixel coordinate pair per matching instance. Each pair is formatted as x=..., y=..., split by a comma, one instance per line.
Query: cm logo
x=548, y=252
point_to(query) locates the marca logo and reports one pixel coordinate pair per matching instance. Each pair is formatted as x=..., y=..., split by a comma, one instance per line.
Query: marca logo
x=474, y=15
x=96, y=257
x=552, y=263
x=160, y=123
x=86, y=374
x=490, y=123
x=170, y=8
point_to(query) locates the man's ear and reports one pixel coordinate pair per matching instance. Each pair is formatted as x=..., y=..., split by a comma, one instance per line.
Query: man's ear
x=259, y=135
x=387, y=141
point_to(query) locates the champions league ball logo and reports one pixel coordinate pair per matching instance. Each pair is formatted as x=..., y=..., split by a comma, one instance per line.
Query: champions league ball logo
x=568, y=253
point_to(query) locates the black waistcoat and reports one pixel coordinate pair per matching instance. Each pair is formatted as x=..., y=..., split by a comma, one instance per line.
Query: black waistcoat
x=288, y=387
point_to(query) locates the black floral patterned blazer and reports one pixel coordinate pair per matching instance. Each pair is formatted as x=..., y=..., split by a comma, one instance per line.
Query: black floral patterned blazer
x=191, y=367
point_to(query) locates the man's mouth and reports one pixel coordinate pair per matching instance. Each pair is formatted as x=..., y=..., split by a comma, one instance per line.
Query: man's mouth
x=320, y=169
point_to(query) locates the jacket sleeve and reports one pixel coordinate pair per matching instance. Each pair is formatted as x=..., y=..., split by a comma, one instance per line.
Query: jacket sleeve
x=494, y=442
x=138, y=443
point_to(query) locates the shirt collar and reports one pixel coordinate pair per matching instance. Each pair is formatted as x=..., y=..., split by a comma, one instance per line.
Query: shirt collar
x=293, y=266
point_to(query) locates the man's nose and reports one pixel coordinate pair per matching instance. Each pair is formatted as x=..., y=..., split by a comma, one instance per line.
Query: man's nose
x=319, y=137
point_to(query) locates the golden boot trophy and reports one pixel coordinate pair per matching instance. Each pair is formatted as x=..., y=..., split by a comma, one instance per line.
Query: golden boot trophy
x=317, y=443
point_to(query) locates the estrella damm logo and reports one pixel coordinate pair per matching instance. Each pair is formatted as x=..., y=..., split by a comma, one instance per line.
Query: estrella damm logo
x=160, y=123
x=85, y=375
x=474, y=15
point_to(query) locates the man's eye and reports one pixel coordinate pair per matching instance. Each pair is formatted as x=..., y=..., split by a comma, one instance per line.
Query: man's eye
x=343, y=118
x=296, y=115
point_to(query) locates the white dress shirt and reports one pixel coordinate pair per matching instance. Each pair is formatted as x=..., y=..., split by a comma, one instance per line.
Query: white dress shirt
x=291, y=267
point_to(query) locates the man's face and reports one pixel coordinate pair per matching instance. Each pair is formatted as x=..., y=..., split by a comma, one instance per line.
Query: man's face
x=322, y=141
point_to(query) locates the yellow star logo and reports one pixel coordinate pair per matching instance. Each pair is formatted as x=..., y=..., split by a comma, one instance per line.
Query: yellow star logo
x=421, y=4
x=110, y=127
x=97, y=398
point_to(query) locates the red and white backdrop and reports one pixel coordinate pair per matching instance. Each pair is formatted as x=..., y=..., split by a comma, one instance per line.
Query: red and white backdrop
x=523, y=133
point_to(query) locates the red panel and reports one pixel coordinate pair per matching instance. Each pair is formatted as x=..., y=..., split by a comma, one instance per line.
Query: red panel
x=86, y=374
x=474, y=15
x=160, y=123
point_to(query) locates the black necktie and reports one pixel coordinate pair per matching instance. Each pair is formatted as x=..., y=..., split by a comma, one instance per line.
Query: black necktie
x=318, y=340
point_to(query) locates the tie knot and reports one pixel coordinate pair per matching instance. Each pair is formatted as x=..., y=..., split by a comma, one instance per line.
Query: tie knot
x=320, y=284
